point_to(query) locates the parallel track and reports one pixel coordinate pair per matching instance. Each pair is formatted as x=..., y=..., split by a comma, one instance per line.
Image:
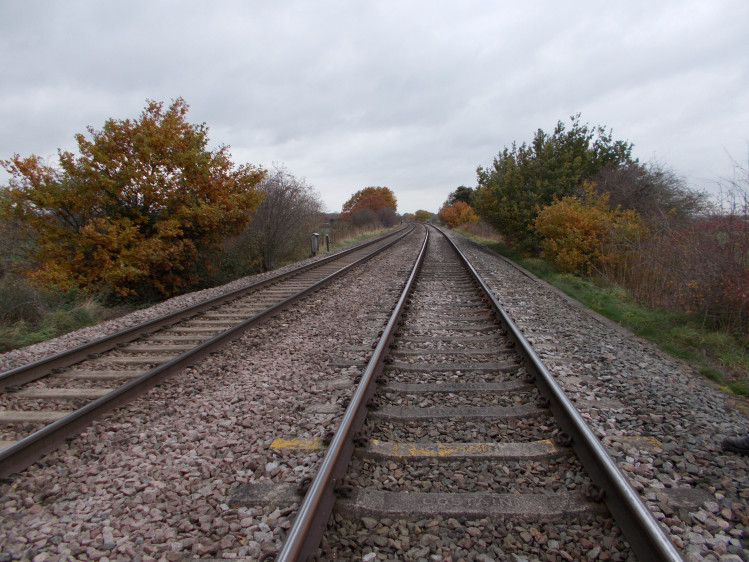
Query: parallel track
x=82, y=384
x=456, y=390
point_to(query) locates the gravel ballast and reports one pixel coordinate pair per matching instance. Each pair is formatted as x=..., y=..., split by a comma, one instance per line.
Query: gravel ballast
x=485, y=508
x=18, y=357
x=153, y=480
x=661, y=422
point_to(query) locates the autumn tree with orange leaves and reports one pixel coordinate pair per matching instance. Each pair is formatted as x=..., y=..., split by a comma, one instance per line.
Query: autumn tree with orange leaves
x=138, y=211
x=373, y=198
x=457, y=214
x=584, y=234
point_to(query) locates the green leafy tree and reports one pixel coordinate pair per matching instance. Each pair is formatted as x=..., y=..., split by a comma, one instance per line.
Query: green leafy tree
x=138, y=211
x=461, y=193
x=524, y=178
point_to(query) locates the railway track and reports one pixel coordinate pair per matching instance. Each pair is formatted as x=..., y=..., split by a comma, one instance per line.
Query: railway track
x=457, y=442
x=50, y=400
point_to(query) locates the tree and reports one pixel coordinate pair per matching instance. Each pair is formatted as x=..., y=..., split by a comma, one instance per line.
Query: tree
x=286, y=217
x=387, y=217
x=461, y=193
x=422, y=215
x=363, y=217
x=373, y=198
x=138, y=211
x=524, y=178
x=700, y=264
x=16, y=242
x=657, y=194
x=457, y=214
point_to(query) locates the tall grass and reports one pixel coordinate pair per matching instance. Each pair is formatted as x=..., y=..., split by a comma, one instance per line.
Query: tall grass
x=483, y=230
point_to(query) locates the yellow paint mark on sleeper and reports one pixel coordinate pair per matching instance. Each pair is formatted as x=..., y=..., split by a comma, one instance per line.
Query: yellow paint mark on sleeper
x=462, y=449
x=309, y=444
x=550, y=443
x=403, y=450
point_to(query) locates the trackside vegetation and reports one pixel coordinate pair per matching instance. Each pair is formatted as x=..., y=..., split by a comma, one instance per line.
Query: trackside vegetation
x=140, y=210
x=630, y=240
x=720, y=355
x=145, y=210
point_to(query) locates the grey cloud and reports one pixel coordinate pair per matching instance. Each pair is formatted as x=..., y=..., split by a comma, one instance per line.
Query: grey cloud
x=414, y=95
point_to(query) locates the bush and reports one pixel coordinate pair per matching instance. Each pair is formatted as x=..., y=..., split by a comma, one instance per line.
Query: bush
x=457, y=214
x=29, y=314
x=20, y=302
x=656, y=193
x=523, y=179
x=583, y=235
x=345, y=230
x=363, y=217
x=698, y=263
x=290, y=212
x=702, y=268
x=387, y=217
x=239, y=257
x=482, y=229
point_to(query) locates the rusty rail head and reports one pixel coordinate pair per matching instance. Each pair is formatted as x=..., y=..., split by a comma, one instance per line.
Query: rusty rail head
x=645, y=536
x=312, y=518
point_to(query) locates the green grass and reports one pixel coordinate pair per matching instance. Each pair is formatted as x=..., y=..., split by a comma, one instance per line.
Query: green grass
x=719, y=356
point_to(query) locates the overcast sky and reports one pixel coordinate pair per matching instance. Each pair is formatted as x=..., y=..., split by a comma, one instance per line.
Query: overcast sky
x=413, y=95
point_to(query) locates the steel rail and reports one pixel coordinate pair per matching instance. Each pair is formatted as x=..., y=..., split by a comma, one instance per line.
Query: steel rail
x=31, y=448
x=645, y=536
x=42, y=367
x=311, y=520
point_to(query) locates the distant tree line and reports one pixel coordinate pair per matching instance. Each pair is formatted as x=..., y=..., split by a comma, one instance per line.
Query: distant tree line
x=146, y=210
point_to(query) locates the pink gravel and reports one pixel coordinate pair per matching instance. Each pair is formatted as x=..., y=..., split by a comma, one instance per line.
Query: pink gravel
x=153, y=480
